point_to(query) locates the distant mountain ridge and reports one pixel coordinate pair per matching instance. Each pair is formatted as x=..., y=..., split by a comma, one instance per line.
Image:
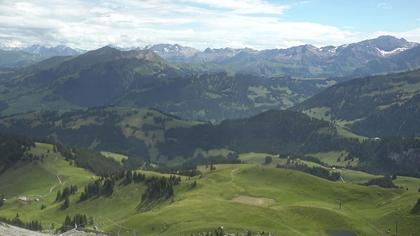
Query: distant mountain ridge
x=141, y=78
x=59, y=50
x=373, y=56
x=300, y=61
x=12, y=57
x=223, y=84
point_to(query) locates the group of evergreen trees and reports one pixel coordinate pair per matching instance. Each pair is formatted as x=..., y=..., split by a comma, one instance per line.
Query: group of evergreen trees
x=416, y=208
x=2, y=200
x=393, y=155
x=79, y=220
x=67, y=191
x=89, y=159
x=315, y=170
x=105, y=185
x=268, y=160
x=384, y=182
x=219, y=231
x=159, y=188
x=31, y=225
x=13, y=149
x=132, y=176
x=100, y=187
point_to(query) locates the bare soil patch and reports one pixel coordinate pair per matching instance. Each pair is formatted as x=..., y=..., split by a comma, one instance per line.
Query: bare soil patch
x=254, y=201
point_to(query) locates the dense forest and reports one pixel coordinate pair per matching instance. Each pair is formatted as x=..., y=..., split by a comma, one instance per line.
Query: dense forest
x=14, y=149
x=395, y=155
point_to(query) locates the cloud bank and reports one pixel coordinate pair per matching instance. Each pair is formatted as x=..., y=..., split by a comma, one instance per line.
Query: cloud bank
x=136, y=23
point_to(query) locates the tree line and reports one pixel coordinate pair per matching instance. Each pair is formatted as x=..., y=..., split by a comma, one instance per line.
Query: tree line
x=315, y=170
x=158, y=188
x=89, y=159
x=13, y=149
x=2, y=200
x=384, y=182
x=105, y=185
x=67, y=191
x=78, y=220
x=34, y=225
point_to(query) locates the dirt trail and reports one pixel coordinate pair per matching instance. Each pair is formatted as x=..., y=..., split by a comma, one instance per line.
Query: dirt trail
x=59, y=180
x=232, y=173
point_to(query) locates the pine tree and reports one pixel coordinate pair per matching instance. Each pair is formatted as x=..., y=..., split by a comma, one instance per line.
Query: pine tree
x=67, y=223
x=416, y=208
x=66, y=203
x=1, y=200
x=58, y=198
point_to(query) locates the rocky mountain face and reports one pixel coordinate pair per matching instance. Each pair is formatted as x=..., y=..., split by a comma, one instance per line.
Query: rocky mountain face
x=173, y=52
x=357, y=59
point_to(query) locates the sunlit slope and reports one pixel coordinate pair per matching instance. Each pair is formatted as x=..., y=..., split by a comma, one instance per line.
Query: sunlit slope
x=239, y=197
x=281, y=201
x=43, y=178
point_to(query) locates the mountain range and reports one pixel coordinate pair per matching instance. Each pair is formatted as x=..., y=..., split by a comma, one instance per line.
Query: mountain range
x=202, y=85
x=12, y=57
x=141, y=78
x=171, y=140
x=305, y=61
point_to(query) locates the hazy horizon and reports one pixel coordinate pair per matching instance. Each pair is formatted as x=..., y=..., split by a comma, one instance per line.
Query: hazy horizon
x=257, y=24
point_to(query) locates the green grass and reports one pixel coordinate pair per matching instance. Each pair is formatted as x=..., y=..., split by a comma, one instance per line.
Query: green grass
x=348, y=134
x=37, y=179
x=240, y=197
x=320, y=113
x=353, y=176
x=335, y=158
x=323, y=113
x=259, y=158
x=115, y=156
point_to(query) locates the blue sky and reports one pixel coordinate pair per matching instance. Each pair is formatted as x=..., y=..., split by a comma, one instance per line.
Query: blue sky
x=258, y=24
x=361, y=15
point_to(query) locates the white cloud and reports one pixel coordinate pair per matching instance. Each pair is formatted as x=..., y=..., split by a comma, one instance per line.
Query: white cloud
x=385, y=5
x=244, y=6
x=410, y=35
x=198, y=23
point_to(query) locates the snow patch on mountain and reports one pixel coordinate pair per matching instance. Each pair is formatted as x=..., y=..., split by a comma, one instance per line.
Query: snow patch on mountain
x=392, y=52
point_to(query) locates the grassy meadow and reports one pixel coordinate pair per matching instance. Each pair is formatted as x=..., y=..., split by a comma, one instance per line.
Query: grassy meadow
x=239, y=197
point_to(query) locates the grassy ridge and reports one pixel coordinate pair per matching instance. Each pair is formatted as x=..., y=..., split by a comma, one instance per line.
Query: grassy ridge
x=240, y=197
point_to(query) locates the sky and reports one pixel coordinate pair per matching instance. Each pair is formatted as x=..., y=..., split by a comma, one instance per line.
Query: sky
x=258, y=24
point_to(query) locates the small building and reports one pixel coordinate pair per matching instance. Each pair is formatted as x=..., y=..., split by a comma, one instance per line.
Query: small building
x=23, y=199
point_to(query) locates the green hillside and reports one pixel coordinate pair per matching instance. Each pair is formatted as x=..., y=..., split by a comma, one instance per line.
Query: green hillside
x=150, y=135
x=41, y=179
x=385, y=105
x=141, y=78
x=238, y=197
x=123, y=130
x=10, y=59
